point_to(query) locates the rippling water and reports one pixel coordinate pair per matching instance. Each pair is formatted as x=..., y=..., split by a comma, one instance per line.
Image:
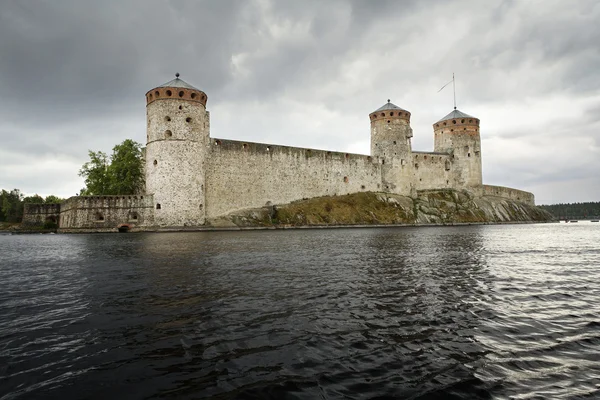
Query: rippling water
x=423, y=313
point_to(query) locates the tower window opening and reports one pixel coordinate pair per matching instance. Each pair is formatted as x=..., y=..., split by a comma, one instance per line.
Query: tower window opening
x=169, y=93
x=362, y=187
x=217, y=142
x=451, y=130
x=193, y=96
x=383, y=114
x=437, y=125
x=188, y=119
x=347, y=155
x=268, y=148
x=244, y=146
x=150, y=96
x=388, y=121
x=454, y=121
x=167, y=118
x=464, y=129
x=181, y=107
x=444, y=124
x=181, y=93
x=203, y=97
x=157, y=93
x=345, y=179
x=168, y=134
x=425, y=157
x=99, y=217
x=470, y=120
x=447, y=182
x=155, y=162
x=417, y=165
x=394, y=142
x=462, y=121
x=158, y=206
x=468, y=154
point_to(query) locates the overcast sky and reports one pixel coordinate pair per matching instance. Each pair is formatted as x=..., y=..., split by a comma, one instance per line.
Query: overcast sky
x=73, y=75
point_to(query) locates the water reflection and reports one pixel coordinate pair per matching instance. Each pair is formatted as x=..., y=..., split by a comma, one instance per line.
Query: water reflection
x=396, y=313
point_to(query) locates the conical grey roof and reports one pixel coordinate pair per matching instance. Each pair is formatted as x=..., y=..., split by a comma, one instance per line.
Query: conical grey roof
x=456, y=114
x=389, y=106
x=178, y=83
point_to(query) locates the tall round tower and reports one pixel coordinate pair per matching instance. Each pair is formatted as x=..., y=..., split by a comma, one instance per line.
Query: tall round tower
x=390, y=132
x=177, y=137
x=458, y=134
x=390, y=143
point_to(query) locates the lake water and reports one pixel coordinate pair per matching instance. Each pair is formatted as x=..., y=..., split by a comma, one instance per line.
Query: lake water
x=508, y=311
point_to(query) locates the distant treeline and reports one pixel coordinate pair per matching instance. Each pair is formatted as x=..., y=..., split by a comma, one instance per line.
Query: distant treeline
x=574, y=210
x=11, y=204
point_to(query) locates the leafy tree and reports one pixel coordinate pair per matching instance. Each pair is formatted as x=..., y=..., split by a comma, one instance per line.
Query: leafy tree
x=52, y=199
x=11, y=206
x=36, y=198
x=126, y=171
x=123, y=174
x=95, y=173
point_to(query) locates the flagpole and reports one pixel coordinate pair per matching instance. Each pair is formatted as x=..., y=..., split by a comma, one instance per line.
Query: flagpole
x=454, y=88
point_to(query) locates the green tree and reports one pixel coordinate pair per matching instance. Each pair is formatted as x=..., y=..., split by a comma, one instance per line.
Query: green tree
x=95, y=173
x=36, y=198
x=126, y=171
x=123, y=174
x=52, y=199
x=11, y=205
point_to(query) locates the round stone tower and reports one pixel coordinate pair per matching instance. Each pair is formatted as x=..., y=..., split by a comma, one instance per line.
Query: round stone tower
x=177, y=138
x=390, y=133
x=390, y=145
x=458, y=134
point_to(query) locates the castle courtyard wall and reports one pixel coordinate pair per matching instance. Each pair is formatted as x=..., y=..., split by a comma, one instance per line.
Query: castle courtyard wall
x=106, y=213
x=241, y=175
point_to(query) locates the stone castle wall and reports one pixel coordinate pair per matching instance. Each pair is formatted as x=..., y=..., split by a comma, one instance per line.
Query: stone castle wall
x=106, y=213
x=241, y=175
x=433, y=171
x=509, y=193
x=35, y=214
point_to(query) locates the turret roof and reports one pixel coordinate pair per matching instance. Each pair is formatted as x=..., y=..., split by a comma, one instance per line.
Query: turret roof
x=456, y=114
x=178, y=83
x=389, y=106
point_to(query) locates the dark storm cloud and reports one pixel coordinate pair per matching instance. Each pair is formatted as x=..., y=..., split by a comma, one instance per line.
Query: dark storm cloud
x=73, y=75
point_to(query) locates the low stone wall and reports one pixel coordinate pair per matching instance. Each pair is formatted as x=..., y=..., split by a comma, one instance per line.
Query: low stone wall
x=37, y=214
x=509, y=193
x=106, y=213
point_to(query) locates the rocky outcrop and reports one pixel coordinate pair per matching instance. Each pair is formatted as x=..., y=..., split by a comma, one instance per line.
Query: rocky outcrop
x=429, y=207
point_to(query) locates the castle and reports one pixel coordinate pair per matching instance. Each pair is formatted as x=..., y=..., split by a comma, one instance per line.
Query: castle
x=191, y=178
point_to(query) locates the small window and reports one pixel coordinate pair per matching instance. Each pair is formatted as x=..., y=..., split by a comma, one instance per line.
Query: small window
x=462, y=121
x=188, y=119
x=193, y=96
x=468, y=154
x=347, y=155
x=157, y=93
x=388, y=121
x=155, y=162
x=150, y=96
x=244, y=146
x=181, y=93
x=454, y=121
x=99, y=217
x=158, y=206
x=345, y=179
x=217, y=142
x=169, y=93
x=362, y=187
x=168, y=119
x=392, y=114
x=168, y=134
x=268, y=148
x=383, y=114
x=181, y=107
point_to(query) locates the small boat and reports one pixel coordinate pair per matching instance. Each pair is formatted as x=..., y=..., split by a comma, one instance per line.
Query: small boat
x=573, y=221
x=595, y=220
